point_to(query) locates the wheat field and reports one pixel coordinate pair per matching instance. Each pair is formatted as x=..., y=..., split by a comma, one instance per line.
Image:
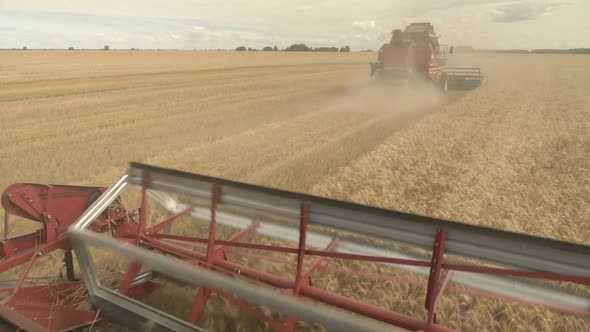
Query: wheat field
x=514, y=154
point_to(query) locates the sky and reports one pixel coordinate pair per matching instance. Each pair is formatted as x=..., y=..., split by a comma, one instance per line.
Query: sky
x=196, y=24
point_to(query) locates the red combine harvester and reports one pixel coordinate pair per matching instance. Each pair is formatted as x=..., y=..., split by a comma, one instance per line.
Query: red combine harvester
x=415, y=55
x=447, y=256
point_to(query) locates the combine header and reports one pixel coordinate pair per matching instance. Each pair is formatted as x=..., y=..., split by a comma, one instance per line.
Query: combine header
x=449, y=257
x=415, y=55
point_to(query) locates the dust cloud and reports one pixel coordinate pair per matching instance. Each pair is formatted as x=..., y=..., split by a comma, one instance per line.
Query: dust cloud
x=358, y=119
x=401, y=102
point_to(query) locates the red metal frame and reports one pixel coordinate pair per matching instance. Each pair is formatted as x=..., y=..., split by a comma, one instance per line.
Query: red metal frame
x=37, y=307
x=432, y=291
x=302, y=286
x=41, y=203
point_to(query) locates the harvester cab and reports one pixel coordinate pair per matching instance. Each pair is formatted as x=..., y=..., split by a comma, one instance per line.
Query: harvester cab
x=415, y=55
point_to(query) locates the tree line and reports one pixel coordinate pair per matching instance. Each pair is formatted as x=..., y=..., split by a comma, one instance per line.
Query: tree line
x=469, y=49
x=297, y=48
x=292, y=48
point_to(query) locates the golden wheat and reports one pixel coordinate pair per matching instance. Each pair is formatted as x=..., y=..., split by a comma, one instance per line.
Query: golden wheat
x=514, y=154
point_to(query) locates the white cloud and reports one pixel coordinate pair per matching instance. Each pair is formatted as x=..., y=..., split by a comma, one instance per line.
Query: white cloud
x=366, y=30
x=523, y=10
x=258, y=23
x=364, y=25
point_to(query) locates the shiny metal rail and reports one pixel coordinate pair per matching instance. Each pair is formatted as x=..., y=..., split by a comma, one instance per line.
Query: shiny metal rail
x=499, y=285
x=334, y=319
x=481, y=243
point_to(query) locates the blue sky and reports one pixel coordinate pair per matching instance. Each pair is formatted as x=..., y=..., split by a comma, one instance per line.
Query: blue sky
x=194, y=24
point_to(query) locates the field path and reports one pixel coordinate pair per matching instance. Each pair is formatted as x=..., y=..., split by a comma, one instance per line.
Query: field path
x=299, y=150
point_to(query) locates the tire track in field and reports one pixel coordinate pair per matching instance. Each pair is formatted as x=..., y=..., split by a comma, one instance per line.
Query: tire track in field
x=71, y=88
x=100, y=110
x=295, y=153
x=245, y=106
x=303, y=169
x=78, y=149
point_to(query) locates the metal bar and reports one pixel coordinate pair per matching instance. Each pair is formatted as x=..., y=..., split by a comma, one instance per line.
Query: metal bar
x=143, y=208
x=213, y=224
x=118, y=304
x=263, y=257
x=303, y=220
x=234, y=239
x=492, y=245
x=132, y=271
x=199, y=304
x=14, y=260
x=301, y=252
x=226, y=265
x=317, y=264
x=168, y=221
x=101, y=203
x=49, y=198
x=312, y=312
x=6, y=215
x=390, y=260
x=203, y=293
x=310, y=252
x=227, y=243
x=371, y=311
x=527, y=292
x=517, y=273
x=342, y=302
x=186, y=243
x=291, y=320
x=433, y=278
x=25, y=272
x=457, y=289
x=442, y=288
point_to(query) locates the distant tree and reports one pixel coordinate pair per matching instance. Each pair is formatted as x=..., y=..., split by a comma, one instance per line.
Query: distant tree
x=326, y=49
x=106, y=47
x=241, y=48
x=563, y=51
x=267, y=49
x=345, y=49
x=25, y=48
x=579, y=51
x=275, y=48
x=298, y=48
x=250, y=49
x=71, y=48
